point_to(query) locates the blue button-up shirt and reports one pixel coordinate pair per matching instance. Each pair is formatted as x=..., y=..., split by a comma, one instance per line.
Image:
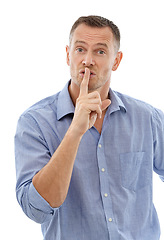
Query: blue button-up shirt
x=110, y=194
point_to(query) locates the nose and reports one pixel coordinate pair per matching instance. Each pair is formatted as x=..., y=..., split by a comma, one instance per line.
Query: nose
x=88, y=59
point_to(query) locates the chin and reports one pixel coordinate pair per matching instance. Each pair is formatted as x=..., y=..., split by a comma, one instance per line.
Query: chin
x=92, y=89
x=76, y=81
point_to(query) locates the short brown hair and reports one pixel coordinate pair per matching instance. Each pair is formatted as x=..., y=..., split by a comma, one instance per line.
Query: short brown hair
x=99, y=22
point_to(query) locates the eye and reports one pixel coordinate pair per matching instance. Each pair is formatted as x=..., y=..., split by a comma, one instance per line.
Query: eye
x=101, y=52
x=79, y=49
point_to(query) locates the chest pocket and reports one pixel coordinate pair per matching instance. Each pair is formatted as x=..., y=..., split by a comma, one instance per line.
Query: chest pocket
x=135, y=170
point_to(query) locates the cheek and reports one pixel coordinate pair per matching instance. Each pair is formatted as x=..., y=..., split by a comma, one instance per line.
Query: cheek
x=106, y=70
x=74, y=58
x=105, y=73
x=75, y=64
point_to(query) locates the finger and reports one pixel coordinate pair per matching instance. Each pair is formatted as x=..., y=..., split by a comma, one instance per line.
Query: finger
x=94, y=94
x=93, y=118
x=95, y=97
x=85, y=82
x=105, y=104
x=94, y=101
x=95, y=108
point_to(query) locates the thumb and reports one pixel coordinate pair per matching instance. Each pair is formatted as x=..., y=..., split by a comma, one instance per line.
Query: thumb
x=93, y=117
x=105, y=104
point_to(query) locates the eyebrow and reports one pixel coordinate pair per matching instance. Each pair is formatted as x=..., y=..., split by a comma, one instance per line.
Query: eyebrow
x=97, y=44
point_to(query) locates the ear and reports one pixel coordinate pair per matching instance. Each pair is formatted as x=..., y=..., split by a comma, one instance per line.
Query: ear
x=67, y=57
x=117, y=61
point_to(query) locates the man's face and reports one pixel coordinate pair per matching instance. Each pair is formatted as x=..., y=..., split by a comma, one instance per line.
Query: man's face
x=93, y=48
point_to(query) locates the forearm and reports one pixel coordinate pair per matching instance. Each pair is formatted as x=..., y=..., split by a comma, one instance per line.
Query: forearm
x=52, y=181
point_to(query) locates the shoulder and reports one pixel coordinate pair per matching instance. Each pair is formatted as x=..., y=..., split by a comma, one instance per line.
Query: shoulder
x=43, y=112
x=44, y=104
x=136, y=104
x=141, y=109
x=50, y=104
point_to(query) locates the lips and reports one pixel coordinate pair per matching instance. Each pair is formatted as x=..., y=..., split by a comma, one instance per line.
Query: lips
x=82, y=72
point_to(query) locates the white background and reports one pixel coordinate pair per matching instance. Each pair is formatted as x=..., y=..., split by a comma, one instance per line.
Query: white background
x=33, y=36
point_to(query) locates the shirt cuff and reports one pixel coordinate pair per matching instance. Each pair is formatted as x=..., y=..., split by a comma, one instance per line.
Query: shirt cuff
x=40, y=208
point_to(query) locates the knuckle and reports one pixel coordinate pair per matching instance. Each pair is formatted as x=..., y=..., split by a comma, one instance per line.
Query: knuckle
x=97, y=108
x=80, y=102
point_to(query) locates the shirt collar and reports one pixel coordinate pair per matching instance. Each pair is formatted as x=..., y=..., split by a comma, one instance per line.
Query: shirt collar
x=116, y=102
x=65, y=105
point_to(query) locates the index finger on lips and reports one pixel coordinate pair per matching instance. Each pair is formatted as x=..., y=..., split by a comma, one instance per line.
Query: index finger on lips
x=85, y=82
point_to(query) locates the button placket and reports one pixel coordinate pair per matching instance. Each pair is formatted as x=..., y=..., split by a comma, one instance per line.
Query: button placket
x=104, y=185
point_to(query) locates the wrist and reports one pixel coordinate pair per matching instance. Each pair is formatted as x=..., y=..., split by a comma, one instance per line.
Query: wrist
x=75, y=132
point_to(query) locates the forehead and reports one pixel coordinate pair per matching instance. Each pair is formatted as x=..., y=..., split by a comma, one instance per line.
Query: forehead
x=93, y=35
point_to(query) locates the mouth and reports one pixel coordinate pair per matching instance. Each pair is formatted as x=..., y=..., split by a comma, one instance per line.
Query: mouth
x=82, y=72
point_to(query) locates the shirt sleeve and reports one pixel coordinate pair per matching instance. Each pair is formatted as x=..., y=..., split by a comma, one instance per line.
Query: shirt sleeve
x=158, y=133
x=31, y=155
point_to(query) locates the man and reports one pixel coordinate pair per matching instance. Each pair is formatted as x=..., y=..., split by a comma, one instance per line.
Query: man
x=85, y=156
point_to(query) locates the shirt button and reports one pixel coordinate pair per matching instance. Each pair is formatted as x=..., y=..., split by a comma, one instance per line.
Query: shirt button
x=106, y=195
x=102, y=169
x=110, y=219
x=100, y=145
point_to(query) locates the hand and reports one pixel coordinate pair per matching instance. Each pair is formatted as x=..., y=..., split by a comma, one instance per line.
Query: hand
x=89, y=106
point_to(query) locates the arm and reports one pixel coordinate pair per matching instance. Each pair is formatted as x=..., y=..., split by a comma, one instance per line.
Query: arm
x=52, y=181
x=158, y=135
